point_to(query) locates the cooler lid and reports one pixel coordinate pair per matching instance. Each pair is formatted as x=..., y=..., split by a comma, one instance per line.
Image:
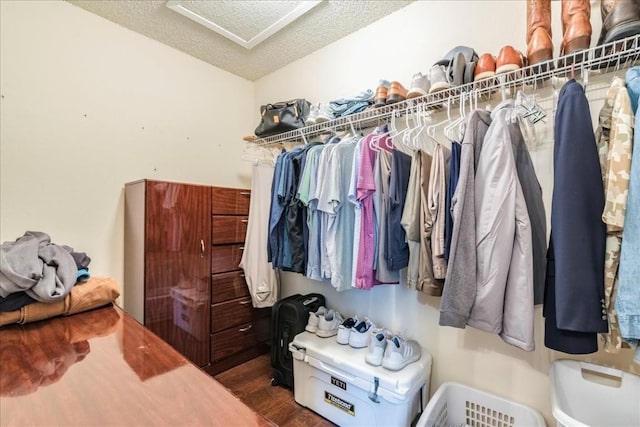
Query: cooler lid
x=351, y=362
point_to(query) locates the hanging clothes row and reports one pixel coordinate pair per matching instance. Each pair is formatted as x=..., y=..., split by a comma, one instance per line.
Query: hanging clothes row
x=335, y=211
x=468, y=222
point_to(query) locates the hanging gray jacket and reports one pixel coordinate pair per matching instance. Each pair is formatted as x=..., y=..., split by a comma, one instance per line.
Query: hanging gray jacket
x=504, y=249
x=459, y=291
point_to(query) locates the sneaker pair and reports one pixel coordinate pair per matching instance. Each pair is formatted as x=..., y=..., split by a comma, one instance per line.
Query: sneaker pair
x=355, y=332
x=420, y=85
x=318, y=114
x=324, y=322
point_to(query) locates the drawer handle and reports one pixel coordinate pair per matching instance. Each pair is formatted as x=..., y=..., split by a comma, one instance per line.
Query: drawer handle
x=245, y=302
x=241, y=274
x=245, y=329
x=241, y=248
x=245, y=193
x=244, y=220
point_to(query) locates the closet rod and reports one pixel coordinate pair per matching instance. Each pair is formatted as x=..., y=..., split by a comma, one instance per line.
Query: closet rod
x=610, y=57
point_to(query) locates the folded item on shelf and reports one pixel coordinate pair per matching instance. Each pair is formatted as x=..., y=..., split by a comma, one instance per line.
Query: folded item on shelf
x=95, y=292
x=354, y=104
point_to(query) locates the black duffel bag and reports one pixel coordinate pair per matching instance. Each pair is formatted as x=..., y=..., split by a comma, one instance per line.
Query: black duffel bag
x=282, y=117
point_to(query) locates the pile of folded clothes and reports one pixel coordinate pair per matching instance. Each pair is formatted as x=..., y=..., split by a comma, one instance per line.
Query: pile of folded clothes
x=40, y=279
x=353, y=104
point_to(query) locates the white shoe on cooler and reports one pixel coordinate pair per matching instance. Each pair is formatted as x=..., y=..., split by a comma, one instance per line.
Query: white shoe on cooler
x=359, y=336
x=328, y=324
x=344, y=330
x=314, y=318
x=377, y=345
x=400, y=352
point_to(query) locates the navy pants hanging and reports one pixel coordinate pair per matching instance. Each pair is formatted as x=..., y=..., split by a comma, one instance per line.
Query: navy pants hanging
x=574, y=288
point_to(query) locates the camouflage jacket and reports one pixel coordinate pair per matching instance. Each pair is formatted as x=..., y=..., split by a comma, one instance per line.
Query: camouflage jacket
x=614, y=137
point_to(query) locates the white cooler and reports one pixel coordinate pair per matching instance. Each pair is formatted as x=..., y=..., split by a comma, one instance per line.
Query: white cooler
x=335, y=381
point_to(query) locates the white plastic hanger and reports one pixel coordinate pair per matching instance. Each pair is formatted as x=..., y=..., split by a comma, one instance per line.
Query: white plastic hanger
x=449, y=129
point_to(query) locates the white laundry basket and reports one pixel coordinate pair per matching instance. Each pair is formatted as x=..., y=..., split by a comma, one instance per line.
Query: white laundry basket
x=585, y=394
x=456, y=404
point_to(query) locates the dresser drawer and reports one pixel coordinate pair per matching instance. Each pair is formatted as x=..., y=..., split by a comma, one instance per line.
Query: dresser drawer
x=226, y=258
x=234, y=340
x=230, y=201
x=226, y=286
x=231, y=313
x=228, y=229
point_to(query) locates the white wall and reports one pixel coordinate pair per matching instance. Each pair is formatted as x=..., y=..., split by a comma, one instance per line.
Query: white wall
x=87, y=106
x=394, y=48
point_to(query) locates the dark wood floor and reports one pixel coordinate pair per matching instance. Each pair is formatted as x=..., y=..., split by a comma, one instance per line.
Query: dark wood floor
x=251, y=382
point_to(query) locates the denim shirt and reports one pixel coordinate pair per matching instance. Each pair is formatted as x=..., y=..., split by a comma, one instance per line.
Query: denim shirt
x=628, y=297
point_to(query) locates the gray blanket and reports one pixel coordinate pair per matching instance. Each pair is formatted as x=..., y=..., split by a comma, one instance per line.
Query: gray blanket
x=44, y=270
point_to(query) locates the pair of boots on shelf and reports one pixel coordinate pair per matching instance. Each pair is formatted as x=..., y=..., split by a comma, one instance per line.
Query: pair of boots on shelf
x=620, y=19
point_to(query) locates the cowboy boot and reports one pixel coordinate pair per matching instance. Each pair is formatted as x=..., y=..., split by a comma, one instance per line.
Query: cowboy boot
x=620, y=19
x=576, y=26
x=539, y=43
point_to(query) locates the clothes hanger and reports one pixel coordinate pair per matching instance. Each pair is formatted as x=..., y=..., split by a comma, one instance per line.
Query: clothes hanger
x=304, y=137
x=449, y=129
x=393, y=128
x=405, y=133
x=431, y=129
x=374, y=140
x=379, y=134
x=417, y=138
x=407, y=136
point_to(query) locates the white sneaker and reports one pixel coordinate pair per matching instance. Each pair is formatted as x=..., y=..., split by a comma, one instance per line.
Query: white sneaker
x=312, y=117
x=420, y=86
x=314, y=318
x=400, y=353
x=324, y=114
x=344, y=330
x=359, y=336
x=328, y=324
x=377, y=345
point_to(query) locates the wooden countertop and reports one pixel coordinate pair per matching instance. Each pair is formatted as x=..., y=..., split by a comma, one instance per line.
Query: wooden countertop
x=102, y=368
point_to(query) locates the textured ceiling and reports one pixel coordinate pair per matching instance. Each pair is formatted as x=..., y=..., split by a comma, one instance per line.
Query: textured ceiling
x=322, y=25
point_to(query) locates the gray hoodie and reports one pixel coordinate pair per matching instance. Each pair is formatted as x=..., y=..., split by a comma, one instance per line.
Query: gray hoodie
x=43, y=270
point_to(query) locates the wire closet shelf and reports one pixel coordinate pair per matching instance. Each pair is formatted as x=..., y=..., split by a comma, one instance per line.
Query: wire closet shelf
x=606, y=58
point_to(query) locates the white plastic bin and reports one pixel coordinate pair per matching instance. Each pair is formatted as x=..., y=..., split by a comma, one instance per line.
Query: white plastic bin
x=585, y=394
x=455, y=404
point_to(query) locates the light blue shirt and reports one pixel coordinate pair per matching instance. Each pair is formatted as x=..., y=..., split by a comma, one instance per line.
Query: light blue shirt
x=628, y=297
x=306, y=194
x=340, y=214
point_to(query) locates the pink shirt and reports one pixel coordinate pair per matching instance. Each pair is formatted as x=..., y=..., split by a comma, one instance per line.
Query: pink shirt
x=364, y=193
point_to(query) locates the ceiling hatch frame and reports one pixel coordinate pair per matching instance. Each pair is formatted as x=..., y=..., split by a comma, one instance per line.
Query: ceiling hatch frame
x=295, y=13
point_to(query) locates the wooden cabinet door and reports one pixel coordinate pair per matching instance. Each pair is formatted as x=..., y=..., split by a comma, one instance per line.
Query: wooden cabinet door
x=178, y=266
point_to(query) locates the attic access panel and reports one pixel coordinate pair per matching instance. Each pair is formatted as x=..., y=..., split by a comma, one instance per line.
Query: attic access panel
x=247, y=23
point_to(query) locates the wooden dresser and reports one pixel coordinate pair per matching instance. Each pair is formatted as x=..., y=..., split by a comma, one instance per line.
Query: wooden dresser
x=239, y=332
x=183, y=245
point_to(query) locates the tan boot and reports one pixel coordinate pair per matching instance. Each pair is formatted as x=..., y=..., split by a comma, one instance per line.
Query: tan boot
x=576, y=26
x=539, y=43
